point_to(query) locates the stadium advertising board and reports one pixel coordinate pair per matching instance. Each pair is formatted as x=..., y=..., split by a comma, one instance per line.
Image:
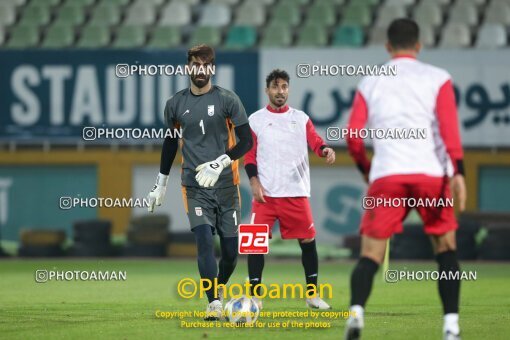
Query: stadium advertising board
x=336, y=199
x=482, y=89
x=55, y=94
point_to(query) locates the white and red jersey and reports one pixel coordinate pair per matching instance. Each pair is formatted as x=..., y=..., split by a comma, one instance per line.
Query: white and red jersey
x=280, y=150
x=419, y=96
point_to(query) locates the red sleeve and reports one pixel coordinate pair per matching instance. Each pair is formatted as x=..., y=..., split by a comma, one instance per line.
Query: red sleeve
x=447, y=117
x=314, y=140
x=251, y=156
x=357, y=120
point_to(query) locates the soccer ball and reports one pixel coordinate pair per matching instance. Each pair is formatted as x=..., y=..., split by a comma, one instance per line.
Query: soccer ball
x=241, y=310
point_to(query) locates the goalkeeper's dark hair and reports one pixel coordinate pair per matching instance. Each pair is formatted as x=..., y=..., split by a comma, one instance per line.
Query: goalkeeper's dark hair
x=204, y=52
x=277, y=74
x=403, y=33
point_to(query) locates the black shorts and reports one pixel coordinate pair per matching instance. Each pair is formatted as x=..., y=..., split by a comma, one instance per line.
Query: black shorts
x=220, y=208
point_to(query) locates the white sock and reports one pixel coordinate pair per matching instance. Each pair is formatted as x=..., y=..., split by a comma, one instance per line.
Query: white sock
x=451, y=323
x=357, y=311
x=356, y=315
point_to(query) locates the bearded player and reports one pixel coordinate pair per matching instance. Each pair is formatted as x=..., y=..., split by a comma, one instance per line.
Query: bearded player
x=279, y=173
x=419, y=96
x=210, y=118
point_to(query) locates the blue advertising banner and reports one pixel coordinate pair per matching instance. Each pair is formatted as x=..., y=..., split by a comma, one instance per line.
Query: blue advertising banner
x=54, y=94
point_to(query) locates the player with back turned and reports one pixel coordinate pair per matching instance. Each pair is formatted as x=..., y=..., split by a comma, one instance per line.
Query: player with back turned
x=210, y=118
x=419, y=96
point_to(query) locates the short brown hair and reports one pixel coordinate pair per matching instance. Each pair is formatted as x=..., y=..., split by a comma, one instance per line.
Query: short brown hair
x=204, y=52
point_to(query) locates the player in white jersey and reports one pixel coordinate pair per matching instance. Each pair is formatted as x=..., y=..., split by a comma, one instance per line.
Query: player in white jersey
x=419, y=96
x=278, y=168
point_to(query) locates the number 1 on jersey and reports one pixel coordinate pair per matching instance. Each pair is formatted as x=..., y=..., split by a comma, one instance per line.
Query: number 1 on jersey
x=235, y=218
x=202, y=126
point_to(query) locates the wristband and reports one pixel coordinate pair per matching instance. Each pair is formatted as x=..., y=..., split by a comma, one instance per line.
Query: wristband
x=225, y=160
x=162, y=180
x=459, y=167
x=251, y=170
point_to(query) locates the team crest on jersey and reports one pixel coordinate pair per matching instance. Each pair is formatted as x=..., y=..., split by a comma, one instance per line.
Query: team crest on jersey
x=210, y=110
x=198, y=211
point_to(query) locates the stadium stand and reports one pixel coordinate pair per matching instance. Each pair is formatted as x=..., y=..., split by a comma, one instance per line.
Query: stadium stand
x=240, y=37
x=165, y=37
x=175, y=14
x=215, y=15
x=129, y=37
x=348, y=36
x=140, y=14
x=59, y=35
x=357, y=15
x=498, y=12
x=207, y=35
x=94, y=37
x=70, y=15
x=7, y=15
x=245, y=24
x=464, y=13
x=389, y=13
x=491, y=35
x=104, y=15
x=276, y=35
x=312, y=36
x=455, y=35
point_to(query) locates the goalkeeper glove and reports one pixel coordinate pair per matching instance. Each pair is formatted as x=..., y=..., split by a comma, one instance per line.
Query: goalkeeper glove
x=157, y=193
x=209, y=172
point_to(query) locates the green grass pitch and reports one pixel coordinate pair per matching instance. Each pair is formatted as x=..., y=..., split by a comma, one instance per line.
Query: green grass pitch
x=126, y=309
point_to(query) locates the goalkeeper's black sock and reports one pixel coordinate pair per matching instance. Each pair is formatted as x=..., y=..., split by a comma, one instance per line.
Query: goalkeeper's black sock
x=361, y=280
x=205, y=258
x=449, y=289
x=228, y=259
x=255, y=268
x=310, y=262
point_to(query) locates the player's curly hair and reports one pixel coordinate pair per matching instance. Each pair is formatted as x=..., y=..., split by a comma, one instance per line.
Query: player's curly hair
x=204, y=52
x=277, y=74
